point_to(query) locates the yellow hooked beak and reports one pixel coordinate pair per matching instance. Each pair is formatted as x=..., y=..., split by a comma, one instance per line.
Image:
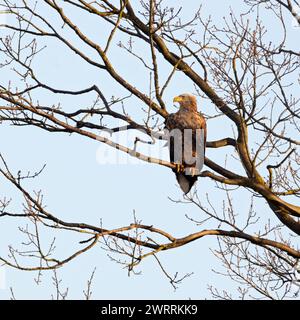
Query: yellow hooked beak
x=177, y=99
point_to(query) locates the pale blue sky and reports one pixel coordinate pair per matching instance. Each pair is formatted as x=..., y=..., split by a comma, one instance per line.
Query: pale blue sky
x=77, y=188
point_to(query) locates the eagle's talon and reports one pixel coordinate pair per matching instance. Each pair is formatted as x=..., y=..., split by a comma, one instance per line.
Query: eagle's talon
x=194, y=172
x=179, y=168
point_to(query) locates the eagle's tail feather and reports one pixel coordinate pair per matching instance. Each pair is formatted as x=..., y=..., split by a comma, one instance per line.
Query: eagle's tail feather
x=185, y=181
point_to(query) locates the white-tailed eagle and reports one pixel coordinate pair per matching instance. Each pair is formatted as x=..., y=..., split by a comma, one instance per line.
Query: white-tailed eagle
x=187, y=139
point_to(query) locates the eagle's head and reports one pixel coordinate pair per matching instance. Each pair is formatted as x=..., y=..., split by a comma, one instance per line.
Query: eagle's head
x=186, y=102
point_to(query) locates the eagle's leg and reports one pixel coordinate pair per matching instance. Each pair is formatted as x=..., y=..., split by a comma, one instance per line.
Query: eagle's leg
x=179, y=168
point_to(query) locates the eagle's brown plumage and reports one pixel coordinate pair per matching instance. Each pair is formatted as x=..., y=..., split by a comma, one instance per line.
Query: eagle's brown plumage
x=187, y=130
